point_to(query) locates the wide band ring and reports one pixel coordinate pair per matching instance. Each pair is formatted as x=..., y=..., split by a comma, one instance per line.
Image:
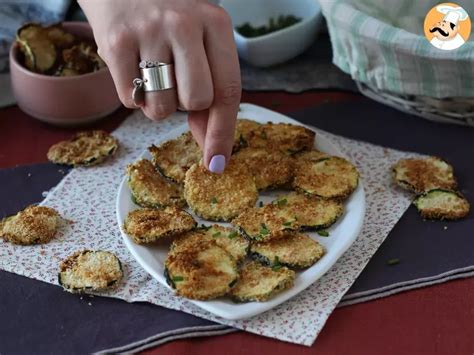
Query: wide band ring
x=158, y=78
x=155, y=76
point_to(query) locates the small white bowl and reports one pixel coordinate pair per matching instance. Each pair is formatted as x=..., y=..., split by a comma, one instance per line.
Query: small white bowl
x=279, y=46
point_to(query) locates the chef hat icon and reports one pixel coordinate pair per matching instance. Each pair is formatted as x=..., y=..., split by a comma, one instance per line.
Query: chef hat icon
x=452, y=14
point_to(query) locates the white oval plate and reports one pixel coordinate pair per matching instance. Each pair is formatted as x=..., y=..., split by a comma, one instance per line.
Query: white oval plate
x=341, y=235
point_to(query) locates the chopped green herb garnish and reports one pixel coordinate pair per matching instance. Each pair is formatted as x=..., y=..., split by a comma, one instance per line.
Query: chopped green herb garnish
x=276, y=264
x=323, y=233
x=393, y=261
x=178, y=278
x=281, y=203
x=213, y=200
x=288, y=224
x=232, y=235
x=264, y=230
x=216, y=234
x=264, y=135
x=260, y=204
x=281, y=22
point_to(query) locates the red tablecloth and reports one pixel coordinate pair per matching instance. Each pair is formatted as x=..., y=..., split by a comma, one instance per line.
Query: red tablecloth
x=434, y=320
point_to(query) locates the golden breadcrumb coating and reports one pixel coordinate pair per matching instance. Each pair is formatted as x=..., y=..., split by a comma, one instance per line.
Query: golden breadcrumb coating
x=260, y=283
x=333, y=177
x=295, y=250
x=421, y=175
x=150, y=189
x=225, y=237
x=285, y=137
x=174, y=157
x=200, y=269
x=89, y=270
x=33, y=225
x=84, y=149
x=220, y=197
x=270, y=168
x=265, y=223
x=311, y=212
x=442, y=204
x=149, y=225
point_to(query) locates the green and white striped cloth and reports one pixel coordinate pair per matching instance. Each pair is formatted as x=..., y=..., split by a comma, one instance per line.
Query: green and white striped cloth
x=381, y=43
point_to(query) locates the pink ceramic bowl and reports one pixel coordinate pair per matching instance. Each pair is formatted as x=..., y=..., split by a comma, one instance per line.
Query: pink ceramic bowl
x=64, y=101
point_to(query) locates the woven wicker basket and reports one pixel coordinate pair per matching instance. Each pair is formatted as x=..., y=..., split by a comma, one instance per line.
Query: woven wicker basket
x=393, y=63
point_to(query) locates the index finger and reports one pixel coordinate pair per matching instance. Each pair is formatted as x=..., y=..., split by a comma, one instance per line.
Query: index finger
x=224, y=63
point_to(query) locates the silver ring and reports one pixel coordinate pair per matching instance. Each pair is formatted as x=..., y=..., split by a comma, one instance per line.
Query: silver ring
x=156, y=76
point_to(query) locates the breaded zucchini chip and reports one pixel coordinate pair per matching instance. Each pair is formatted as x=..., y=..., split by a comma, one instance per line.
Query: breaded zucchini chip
x=295, y=250
x=442, y=204
x=220, y=197
x=84, y=149
x=260, y=283
x=265, y=223
x=200, y=269
x=270, y=168
x=333, y=177
x=150, y=189
x=284, y=137
x=33, y=225
x=149, y=225
x=226, y=238
x=90, y=270
x=421, y=175
x=174, y=157
x=311, y=155
x=244, y=130
x=311, y=212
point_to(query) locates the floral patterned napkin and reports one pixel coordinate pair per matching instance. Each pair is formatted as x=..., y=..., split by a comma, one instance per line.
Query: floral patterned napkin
x=87, y=197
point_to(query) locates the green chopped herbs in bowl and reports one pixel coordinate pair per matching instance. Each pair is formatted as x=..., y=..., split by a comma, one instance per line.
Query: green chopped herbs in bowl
x=281, y=22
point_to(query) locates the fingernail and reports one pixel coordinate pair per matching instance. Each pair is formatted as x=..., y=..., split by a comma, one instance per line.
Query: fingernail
x=217, y=164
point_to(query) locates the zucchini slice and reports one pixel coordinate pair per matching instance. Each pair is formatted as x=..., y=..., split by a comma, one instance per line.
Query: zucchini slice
x=200, y=269
x=90, y=270
x=442, y=204
x=58, y=35
x=150, y=225
x=334, y=177
x=173, y=158
x=40, y=52
x=421, y=175
x=287, y=138
x=243, y=131
x=150, y=189
x=311, y=212
x=33, y=225
x=265, y=223
x=270, y=168
x=84, y=149
x=260, y=283
x=227, y=238
x=220, y=197
x=311, y=156
x=295, y=250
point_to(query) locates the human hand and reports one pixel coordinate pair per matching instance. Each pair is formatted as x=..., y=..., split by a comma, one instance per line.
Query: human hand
x=194, y=35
